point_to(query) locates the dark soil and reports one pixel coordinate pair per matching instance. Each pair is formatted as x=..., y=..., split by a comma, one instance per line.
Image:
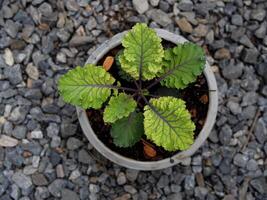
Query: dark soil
x=196, y=98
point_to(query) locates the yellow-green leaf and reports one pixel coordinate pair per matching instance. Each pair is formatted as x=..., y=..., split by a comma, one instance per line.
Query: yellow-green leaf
x=168, y=123
x=87, y=87
x=143, y=52
x=119, y=106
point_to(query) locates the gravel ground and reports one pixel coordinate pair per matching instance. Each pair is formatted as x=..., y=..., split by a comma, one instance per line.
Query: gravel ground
x=43, y=153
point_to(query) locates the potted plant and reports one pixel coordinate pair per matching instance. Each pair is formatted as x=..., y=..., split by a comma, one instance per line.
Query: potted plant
x=146, y=99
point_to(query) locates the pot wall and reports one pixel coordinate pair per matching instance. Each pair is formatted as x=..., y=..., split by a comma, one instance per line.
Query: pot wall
x=168, y=162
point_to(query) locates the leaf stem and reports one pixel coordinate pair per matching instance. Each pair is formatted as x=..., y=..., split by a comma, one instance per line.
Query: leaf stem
x=136, y=84
x=138, y=101
x=107, y=86
x=152, y=95
x=115, y=87
x=160, y=79
x=127, y=89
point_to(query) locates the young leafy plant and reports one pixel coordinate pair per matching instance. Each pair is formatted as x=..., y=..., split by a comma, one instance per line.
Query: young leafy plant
x=144, y=64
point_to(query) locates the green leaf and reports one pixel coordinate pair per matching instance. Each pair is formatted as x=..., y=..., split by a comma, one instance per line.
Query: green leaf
x=143, y=52
x=122, y=73
x=168, y=123
x=87, y=87
x=182, y=64
x=119, y=106
x=127, y=131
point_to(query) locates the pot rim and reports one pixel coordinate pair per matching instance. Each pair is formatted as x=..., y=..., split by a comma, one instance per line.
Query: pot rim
x=167, y=162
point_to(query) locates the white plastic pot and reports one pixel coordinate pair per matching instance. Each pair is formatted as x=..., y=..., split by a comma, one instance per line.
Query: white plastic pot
x=167, y=162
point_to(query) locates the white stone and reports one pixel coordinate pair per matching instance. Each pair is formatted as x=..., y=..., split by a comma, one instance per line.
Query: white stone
x=7, y=110
x=140, y=6
x=60, y=171
x=35, y=161
x=32, y=71
x=154, y=2
x=8, y=57
x=7, y=141
x=2, y=120
x=37, y=134
x=75, y=174
x=61, y=57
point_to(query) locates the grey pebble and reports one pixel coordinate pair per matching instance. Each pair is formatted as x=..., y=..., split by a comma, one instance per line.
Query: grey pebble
x=63, y=35
x=130, y=189
x=259, y=184
x=249, y=98
x=67, y=129
x=13, y=74
x=121, y=179
x=73, y=143
x=261, y=31
x=23, y=181
x=159, y=17
x=225, y=134
x=250, y=56
x=94, y=188
x=132, y=174
x=201, y=192
x=45, y=9
x=56, y=187
x=262, y=70
x=261, y=131
x=72, y=5
x=234, y=107
x=84, y=157
x=91, y=23
x=19, y=132
x=163, y=181
x=258, y=14
x=39, y=179
x=185, y=5
x=237, y=20
x=18, y=114
x=41, y=193
x=52, y=130
x=189, y=182
x=252, y=165
x=11, y=28
x=80, y=40
x=15, y=193
x=240, y=160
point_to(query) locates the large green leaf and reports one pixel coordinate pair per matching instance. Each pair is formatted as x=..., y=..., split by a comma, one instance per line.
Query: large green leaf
x=127, y=131
x=143, y=52
x=182, y=64
x=168, y=123
x=119, y=106
x=87, y=87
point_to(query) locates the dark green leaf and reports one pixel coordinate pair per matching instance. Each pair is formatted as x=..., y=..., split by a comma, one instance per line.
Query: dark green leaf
x=182, y=64
x=127, y=131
